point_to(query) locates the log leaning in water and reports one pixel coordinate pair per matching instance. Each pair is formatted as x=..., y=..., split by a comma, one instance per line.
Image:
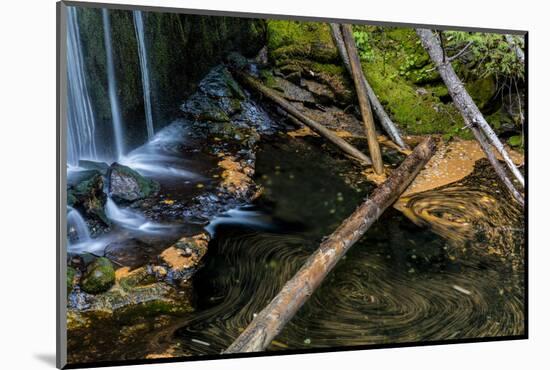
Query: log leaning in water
x=271, y=320
x=362, y=97
x=377, y=107
x=315, y=126
x=463, y=101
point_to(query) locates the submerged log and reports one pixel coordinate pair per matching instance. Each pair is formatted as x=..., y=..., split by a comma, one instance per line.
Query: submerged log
x=385, y=120
x=315, y=126
x=271, y=320
x=464, y=102
x=362, y=97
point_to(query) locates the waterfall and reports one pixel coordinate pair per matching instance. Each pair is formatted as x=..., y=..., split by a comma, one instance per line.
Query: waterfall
x=115, y=111
x=80, y=116
x=142, y=52
x=76, y=227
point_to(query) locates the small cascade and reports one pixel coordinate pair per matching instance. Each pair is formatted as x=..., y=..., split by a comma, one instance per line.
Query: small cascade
x=112, y=86
x=145, y=80
x=130, y=220
x=81, y=142
x=76, y=227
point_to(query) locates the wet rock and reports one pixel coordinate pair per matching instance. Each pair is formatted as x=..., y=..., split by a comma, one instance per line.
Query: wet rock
x=236, y=177
x=131, y=252
x=200, y=108
x=143, y=300
x=71, y=277
x=220, y=83
x=128, y=279
x=184, y=256
x=99, y=277
x=125, y=184
x=102, y=167
x=85, y=193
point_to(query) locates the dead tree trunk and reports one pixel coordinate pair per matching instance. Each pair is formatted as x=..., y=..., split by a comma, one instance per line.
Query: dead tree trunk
x=516, y=48
x=271, y=320
x=364, y=105
x=315, y=126
x=487, y=148
x=383, y=117
x=462, y=99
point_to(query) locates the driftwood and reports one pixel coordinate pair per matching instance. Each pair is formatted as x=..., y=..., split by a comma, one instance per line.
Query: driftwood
x=362, y=97
x=315, y=126
x=463, y=101
x=271, y=320
x=385, y=120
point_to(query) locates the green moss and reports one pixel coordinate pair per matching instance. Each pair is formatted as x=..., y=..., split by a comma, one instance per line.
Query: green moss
x=516, y=141
x=298, y=39
x=71, y=274
x=413, y=111
x=99, y=277
x=482, y=90
x=136, y=278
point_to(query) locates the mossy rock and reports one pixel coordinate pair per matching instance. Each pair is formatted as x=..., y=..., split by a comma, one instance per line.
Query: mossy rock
x=300, y=40
x=71, y=275
x=85, y=192
x=482, y=91
x=127, y=185
x=99, y=277
x=132, y=279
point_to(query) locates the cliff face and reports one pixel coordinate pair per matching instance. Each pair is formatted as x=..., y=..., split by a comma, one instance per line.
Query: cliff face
x=181, y=50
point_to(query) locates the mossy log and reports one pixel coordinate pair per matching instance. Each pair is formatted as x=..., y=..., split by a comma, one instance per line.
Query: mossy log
x=385, y=120
x=362, y=97
x=346, y=147
x=271, y=320
x=469, y=110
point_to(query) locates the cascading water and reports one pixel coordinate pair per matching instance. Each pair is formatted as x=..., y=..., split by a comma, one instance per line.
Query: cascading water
x=142, y=51
x=77, y=228
x=115, y=110
x=81, y=123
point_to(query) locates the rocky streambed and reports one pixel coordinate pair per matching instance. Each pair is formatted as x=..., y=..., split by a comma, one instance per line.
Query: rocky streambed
x=174, y=247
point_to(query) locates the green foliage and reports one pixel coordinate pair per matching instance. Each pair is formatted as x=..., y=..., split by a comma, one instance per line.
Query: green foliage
x=516, y=141
x=488, y=54
x=364, y=48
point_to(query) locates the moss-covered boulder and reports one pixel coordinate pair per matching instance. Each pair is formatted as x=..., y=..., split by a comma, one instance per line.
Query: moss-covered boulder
x=85, y=193
x=127, y=185
x=99, y=277
x=71, y=276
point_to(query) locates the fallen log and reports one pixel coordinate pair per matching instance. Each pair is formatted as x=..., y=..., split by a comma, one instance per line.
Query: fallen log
x=315, y=126
x=463, y=101
x=488, y=150
x=383, y=117
x=362, y=97
x=271, y=320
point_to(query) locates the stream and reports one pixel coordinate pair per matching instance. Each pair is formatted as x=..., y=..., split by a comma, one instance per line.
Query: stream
x=401, y=283
x=441, y=264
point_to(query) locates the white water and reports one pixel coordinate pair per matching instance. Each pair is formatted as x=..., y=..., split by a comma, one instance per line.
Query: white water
x=81, y=123
x=112, y=87
x=77, y=225
x=145, y=81
x=244, y=216
x=130, y=219
x=160, y=157
x=83, y=241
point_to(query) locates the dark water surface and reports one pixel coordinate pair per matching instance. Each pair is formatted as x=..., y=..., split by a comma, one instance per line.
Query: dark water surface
x=400, y=283
x=448, y=267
